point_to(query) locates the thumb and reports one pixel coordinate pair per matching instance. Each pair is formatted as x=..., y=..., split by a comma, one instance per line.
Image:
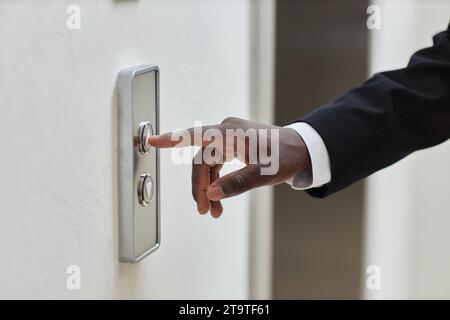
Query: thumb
x=237, y=182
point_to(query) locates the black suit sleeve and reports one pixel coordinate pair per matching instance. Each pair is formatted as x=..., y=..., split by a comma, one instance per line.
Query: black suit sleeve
x=388, y=117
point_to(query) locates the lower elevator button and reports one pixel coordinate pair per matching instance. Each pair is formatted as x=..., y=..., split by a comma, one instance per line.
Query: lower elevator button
x=145, y=189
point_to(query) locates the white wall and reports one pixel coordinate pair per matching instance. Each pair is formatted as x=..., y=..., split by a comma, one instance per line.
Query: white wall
x=408, y=204
x=58, y=186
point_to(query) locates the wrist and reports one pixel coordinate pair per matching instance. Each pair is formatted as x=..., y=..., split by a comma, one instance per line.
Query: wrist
x=318, y=163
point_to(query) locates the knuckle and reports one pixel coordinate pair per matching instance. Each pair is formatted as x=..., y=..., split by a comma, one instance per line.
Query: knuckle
x=230, y=120
x=236, y=184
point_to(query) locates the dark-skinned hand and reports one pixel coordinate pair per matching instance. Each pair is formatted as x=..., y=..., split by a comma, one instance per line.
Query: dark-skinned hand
x=208, y=188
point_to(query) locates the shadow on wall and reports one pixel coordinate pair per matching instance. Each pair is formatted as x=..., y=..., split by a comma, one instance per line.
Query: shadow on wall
x=127, y=274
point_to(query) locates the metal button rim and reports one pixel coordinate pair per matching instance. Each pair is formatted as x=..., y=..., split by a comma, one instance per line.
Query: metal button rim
x=143, y=145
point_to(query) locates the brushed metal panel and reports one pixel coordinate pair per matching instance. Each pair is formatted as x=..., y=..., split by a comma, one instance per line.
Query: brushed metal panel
x=139, y=225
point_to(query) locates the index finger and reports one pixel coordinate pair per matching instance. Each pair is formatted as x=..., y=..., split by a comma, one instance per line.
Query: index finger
x=182, y=138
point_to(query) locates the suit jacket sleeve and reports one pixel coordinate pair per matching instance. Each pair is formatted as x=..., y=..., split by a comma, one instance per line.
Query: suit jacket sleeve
x=388, y=117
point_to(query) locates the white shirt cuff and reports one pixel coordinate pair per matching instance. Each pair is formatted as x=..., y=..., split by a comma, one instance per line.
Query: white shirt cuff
x=320, y=160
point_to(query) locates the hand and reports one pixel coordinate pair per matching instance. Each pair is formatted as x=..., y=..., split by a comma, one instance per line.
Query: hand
x=285, y=149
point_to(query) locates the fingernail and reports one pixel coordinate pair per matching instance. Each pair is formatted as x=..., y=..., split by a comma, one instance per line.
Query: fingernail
x=202, y=210
x=215, y=193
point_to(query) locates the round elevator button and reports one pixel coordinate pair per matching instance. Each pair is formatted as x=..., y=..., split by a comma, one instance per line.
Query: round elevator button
x=145, y=130
x=145, y=189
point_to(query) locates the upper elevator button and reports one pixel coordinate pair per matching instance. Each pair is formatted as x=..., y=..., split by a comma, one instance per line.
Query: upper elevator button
x=145, y=130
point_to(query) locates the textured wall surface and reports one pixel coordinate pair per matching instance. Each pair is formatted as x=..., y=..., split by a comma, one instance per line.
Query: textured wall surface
x=58, y=186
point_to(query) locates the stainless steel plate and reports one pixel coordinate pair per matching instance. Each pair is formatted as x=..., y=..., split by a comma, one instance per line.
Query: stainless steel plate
x=139, y=217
